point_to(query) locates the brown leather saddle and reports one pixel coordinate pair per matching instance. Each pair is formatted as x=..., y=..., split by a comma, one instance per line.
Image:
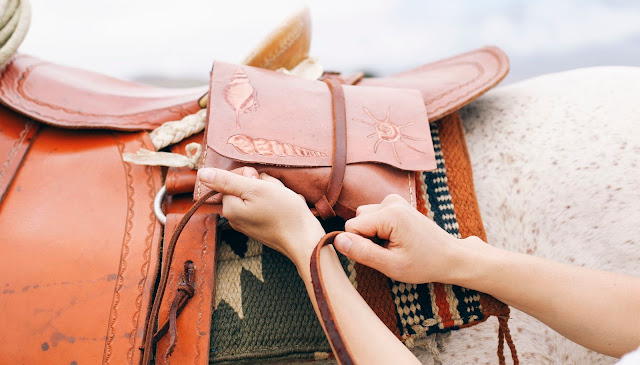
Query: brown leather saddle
x=82, y=247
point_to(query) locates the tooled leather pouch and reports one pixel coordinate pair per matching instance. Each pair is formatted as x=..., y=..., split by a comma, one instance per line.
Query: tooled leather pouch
x=340, y=146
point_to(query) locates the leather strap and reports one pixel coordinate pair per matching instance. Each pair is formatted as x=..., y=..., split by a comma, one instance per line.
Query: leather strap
x=186, y=290
x=324, y=206
x=180, y=180
x=336, y=339
x=148, y=342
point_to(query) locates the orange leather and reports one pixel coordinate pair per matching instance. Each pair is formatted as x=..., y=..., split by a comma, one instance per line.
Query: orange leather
x=180, y=180
x=74, y=98
x=80, y=249
x=198, y=245
x=16, y=135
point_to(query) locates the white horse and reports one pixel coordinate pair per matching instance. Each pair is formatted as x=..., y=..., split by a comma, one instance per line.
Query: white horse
x=556, y=163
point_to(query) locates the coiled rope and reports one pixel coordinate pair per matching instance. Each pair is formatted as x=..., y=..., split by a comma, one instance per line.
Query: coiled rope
x=15, y=18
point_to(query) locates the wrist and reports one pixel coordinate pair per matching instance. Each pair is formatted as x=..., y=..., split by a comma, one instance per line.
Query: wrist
x=472, y=261
x=303, y=243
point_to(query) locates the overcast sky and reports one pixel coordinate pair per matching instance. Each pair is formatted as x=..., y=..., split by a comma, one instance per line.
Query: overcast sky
x=179, y=39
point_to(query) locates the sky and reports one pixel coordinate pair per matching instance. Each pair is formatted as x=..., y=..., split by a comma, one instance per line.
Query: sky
x=149, y=40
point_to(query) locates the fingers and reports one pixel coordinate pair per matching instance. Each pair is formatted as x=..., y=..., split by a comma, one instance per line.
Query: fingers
x=389, y=200
x=368, y=208
x=372, y=224
x=246, y=171
x=227, y=182
x=233, y=208
x=267, y=177
x=364, y=251
x=393, y=199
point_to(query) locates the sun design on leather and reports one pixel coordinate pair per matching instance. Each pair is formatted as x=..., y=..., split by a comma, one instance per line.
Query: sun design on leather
x=389, y=132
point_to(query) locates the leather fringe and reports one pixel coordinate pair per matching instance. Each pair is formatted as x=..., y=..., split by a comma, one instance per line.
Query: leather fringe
x=505, y=334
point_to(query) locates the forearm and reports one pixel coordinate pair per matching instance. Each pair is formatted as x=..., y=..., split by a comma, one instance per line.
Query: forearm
x=368, y=339
x=566, y=298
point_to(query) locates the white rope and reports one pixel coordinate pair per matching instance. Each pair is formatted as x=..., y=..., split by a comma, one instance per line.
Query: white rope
x=15, y=17
x=175, y=131
x=152, y=158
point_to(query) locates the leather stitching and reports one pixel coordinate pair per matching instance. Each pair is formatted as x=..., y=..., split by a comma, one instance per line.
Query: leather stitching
x=480, y=73
x=113, y=316
x=131, y=119
x=410, y=189
x=144, y=270
x=205, y=247
x=14, y=149
x=285, y=45
x=203, y=162
x=490, y=82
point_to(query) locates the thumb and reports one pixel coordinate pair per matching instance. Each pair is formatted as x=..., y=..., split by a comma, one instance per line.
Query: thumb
x=364, y=251
x=226, y=182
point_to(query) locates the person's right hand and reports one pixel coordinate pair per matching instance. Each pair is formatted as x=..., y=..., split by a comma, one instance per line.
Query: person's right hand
x=419, y=251
x=261, y=207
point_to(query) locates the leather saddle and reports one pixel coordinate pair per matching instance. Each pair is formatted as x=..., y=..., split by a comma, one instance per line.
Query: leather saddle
x=82, y=247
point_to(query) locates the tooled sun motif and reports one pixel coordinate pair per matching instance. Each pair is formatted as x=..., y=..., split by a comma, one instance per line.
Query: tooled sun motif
x=388, y=131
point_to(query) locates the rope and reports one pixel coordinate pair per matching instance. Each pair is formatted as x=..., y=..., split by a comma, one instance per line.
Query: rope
x=175, y=131
x=15, y=17
x=152, y=158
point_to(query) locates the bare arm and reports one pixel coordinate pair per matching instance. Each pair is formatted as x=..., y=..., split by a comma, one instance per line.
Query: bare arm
x=567, y=298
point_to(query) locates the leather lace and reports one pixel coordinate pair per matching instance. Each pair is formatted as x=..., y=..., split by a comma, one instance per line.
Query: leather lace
x=185, y=291
x=150, y=337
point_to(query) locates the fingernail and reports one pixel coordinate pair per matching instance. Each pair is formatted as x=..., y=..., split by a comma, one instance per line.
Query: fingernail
x=207, y=175
x=342, y=243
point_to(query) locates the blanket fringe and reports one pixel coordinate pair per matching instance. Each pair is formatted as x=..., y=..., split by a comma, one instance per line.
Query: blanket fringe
x=505, y=334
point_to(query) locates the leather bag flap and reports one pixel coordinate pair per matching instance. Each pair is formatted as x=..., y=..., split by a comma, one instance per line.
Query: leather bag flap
x=266, y=117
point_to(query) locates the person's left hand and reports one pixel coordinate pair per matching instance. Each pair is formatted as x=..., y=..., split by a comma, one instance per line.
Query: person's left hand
x=261, y=207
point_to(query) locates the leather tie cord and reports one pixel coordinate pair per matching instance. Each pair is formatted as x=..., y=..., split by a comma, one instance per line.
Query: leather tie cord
x=148, y=340
x=185, y=291
x=324, y=206
x=336, y=339
x=505, y=334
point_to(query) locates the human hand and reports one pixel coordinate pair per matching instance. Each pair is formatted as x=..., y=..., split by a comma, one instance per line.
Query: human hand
x=261, y=207
x=419, y=251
